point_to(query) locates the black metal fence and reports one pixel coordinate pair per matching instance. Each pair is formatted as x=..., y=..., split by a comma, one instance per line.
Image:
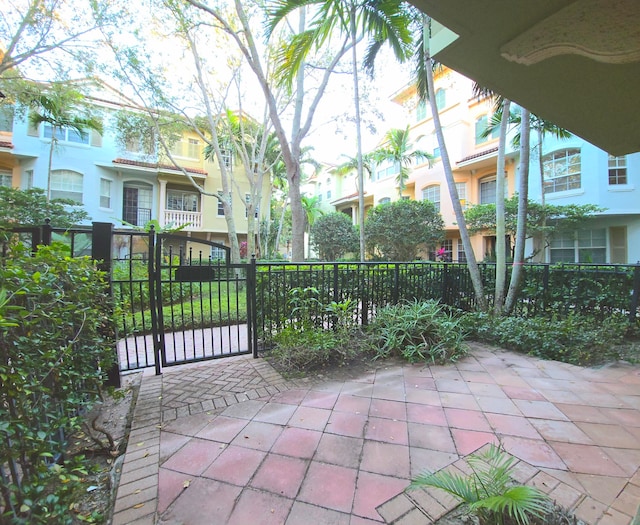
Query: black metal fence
x=597, y=290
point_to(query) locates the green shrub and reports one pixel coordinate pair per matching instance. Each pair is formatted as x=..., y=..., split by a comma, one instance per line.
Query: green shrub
x=575, y=339
x=56, y=341
x=302, y=350
x=318, y=335
x=417, y=331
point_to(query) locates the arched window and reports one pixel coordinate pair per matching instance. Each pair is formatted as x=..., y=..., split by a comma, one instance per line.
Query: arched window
x=66, y=184
x=562, y=170
x=432, y=193
x=385, y=200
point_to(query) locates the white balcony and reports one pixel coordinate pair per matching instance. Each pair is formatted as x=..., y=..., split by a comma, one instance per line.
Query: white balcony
x=176, y=218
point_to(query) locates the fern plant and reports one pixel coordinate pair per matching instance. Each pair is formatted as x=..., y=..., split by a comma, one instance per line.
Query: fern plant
x=489, y=491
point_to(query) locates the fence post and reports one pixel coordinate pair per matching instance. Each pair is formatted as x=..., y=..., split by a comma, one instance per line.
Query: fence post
x=101, y=242
x=545, y=288
x=154, y=291
x=633, y=310
x=46, y=232
x=252, y=306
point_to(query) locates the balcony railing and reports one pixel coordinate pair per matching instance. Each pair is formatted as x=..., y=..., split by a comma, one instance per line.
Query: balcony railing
x=177, y=218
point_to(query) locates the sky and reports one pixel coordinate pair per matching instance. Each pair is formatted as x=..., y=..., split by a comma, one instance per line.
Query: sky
x=333, y=134
x=334, y=137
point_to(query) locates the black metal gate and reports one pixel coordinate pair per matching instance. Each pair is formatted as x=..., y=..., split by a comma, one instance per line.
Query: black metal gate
x=180, y=300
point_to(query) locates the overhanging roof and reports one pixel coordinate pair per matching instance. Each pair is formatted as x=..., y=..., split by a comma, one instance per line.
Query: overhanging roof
x=573, y=62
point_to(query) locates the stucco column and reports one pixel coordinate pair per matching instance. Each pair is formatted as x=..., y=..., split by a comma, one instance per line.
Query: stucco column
x=163, y=202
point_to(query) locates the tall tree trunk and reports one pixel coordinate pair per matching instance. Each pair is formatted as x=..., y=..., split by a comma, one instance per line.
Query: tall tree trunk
x=521, y=227
x=297, y=222
x=501, y=248
x=280, y=224
x=472, y=264
x=356, y=100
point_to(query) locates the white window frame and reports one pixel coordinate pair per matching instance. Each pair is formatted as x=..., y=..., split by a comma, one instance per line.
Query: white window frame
x=578, y=246
x=386, y=169
x=617, y=170
x=179, y=200
x=6, y=178
x=68, y=135
x=562, y=170
x=220, y=211
x=27, y=179
x=67, y=184
x=193, y=148
x=483, y=182
x=462, y=256
x=432, y=193
x=105, y=193
x=461, y=188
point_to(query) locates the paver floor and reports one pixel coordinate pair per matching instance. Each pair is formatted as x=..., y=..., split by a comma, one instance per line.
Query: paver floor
x=232, y=442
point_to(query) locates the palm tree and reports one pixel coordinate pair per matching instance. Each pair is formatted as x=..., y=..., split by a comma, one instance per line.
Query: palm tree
x=501, y=110
x=62, y=108
x=400, y=151
x=426, y=91
x=524, y=123
x=378, y=20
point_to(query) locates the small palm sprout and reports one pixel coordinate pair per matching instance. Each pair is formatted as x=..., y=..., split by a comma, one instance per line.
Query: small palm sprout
x=489, y=492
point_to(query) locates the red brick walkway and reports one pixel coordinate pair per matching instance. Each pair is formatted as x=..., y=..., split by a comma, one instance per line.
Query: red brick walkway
x=232, y=442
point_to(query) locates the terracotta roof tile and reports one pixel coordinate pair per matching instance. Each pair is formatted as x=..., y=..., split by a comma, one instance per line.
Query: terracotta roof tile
x=6, y=144
x=477, y=155
x=155, y=165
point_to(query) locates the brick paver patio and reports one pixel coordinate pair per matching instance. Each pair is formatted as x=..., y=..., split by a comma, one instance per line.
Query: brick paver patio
x=231, y=441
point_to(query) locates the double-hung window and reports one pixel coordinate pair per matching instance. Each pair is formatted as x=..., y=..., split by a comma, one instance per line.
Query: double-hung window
x=66, y=134
x=432, y=193
x=583, y=246
x=105, y=193
x=617, y=170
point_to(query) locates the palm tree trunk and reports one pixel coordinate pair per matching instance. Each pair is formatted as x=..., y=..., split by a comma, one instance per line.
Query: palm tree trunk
x=521, y=228
x=472, y=264
x=501, y=248
x=356, y=100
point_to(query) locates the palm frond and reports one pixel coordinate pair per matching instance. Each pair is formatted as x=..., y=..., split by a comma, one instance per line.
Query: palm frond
x=520, y=503
x=452, y=483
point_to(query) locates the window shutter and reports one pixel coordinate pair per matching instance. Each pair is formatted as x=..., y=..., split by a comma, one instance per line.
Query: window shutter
x=96, y=139
x=33, y=131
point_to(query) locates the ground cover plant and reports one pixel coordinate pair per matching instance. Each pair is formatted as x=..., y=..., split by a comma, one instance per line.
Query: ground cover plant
x=56, y=344
x=317, y=335
x=576, y=339
x=417, y=331
x=320, y=335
